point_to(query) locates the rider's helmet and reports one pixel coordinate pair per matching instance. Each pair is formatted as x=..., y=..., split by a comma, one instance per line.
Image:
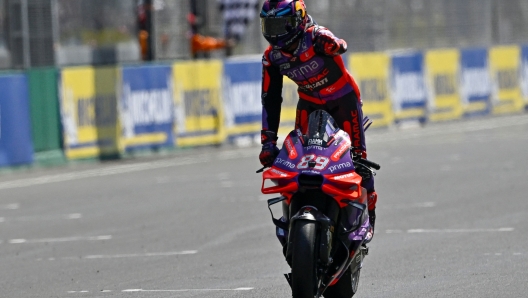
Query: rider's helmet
x=322, y=127
x=283, y=21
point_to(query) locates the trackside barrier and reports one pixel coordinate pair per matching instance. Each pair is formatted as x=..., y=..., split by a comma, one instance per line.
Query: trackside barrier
x=505, y=63
x=146, y=108
x=89, y=112
x=441, y=78
x=408, y=89
x=198, y=105
x=475, y=82
x=16, y=146
x=241, y=97
x=106, y=111
x=44, y=106
x=371, y=72
x=524, y=75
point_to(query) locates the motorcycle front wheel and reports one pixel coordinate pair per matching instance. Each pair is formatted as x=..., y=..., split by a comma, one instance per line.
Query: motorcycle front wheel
x=304, y=278
x=346, y=287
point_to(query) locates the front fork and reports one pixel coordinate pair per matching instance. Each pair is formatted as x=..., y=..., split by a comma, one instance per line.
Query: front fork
x=306, y=213
x=326, y=230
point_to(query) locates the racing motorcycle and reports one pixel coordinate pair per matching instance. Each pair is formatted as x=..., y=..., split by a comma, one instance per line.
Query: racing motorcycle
x=325, y=213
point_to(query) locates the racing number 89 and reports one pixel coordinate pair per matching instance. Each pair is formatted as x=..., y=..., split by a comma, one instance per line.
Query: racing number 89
x=320, y=162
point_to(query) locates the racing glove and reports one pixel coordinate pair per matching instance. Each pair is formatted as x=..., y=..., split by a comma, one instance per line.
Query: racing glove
x=326, y=44
x=362, y=170
x=269, y=148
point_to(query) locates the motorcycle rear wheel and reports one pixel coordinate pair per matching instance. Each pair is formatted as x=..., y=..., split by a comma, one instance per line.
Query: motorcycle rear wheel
x=304, y=283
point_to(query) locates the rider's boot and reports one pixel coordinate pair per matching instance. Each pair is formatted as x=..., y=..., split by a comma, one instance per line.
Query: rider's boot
x=372, y=198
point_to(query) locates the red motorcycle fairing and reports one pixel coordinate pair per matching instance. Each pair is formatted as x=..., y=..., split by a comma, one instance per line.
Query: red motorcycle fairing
x=331, y=162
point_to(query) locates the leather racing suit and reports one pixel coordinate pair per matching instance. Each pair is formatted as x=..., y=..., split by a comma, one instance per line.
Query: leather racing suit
x=323, y=83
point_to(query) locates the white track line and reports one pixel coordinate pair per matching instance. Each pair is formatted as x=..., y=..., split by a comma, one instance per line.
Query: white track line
x=424, y=231
x=142, y=255
x=186, y=290
x=408, y=205
x=43, y=218
x=55, y=240
x=10, y=207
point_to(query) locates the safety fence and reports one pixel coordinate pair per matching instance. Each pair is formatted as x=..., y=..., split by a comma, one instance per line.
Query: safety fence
x=91, y=112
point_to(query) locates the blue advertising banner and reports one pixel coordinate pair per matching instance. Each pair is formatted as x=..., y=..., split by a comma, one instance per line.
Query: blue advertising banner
x=524, y=75
x=242, y=88
x=146, y=107
x=409, y=93
x=475, y=81
x=16, y=146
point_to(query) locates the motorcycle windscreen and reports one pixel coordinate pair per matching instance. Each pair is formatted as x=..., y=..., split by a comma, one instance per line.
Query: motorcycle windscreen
x=321, y=128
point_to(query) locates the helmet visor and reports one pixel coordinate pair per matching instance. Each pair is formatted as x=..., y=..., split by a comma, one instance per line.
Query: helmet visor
x=278, y=25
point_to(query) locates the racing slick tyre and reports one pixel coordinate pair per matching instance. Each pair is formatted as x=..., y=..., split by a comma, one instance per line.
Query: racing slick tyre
x=304, y=284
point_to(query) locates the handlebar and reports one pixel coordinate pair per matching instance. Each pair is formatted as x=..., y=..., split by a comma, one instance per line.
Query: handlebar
x=368, y=163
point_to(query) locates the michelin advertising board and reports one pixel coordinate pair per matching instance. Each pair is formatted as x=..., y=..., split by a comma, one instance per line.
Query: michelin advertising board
x=242, y=102
x=146, y=107
x=89, y=111
x=409, y=95
x=16, y=146
x=505, y=63
x=371, y=72
x=442, y=85
x=524, y=75
x=198, y=106
x=475, y=82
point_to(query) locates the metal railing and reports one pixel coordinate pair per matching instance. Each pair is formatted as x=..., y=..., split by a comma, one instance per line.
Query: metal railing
x=69, y=32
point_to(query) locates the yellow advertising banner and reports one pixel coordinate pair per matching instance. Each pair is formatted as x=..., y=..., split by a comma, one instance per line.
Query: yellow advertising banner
x=89, y=111
x=371, y=72
x=505, y=62
x=290, y=98
x=198, y=106
x=442, y=73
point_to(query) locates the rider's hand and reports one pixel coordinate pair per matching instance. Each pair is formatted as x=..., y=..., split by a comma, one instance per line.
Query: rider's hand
x=363, y=171
x=357, y=154
x=327, y=44
x=269, y=148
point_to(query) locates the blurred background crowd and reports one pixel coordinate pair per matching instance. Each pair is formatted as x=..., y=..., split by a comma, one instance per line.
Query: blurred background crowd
x=36, y=33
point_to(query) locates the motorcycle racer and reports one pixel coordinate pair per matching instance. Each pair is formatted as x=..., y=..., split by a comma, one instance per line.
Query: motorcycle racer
x=309, y=55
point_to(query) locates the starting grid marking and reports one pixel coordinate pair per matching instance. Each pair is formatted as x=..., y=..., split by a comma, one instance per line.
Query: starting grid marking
x=160, y=291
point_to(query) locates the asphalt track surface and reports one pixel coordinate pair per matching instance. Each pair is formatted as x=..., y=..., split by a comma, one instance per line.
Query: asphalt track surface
x=452, y=221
